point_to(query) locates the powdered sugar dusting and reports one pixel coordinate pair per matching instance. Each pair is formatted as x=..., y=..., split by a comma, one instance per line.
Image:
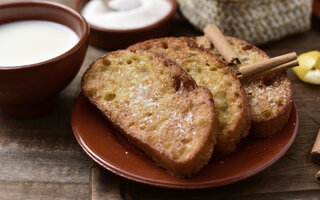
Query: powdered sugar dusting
x=140, y=95
x=189, y=117
x=267, y=98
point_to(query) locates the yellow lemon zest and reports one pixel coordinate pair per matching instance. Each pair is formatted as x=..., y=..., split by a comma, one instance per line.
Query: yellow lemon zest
x=309, y=67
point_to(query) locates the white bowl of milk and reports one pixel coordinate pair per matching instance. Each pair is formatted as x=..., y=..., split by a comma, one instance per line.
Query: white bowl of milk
x=116, y=24
x=43, y=45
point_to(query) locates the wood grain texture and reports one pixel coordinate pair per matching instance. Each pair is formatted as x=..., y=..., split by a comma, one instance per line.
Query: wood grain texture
x=40, y=158
x=103, y=185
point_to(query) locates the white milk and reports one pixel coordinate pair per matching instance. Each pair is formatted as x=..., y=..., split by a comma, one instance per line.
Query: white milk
x=33, y=41
x=125, y=14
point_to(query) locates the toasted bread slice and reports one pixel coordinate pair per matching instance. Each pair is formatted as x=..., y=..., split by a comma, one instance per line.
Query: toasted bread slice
x=209, y=71
x=270, y=96
x=158, y=106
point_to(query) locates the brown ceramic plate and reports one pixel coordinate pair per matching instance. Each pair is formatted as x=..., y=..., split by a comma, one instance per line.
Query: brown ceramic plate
x=112, y=151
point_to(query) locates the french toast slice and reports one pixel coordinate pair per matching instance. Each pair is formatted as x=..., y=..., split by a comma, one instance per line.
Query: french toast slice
x=230, y=100
x=269, y=96
x=157, y=106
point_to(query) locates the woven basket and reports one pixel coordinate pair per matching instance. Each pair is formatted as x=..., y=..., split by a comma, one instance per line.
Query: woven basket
x=257, y=21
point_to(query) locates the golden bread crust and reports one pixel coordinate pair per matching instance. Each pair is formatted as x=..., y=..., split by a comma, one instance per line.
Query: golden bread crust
x=157, y=106
x=270, y=96
x=231, y=104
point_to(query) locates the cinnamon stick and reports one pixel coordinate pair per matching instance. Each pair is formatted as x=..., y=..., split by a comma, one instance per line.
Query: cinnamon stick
x=275, y=64
x=213, y=34
x=282, y=67
x=315, y=152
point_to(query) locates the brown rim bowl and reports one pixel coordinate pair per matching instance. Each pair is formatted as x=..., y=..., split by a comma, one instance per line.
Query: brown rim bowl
x=31, y=90
x=112, y=39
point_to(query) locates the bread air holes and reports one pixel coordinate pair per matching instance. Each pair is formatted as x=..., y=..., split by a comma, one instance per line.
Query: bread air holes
x=247, y=47
x=165, y=63
x=179, y=153
x=126, y=102
x=213, y=69
x=176, y=48
x=280, y=103
x=164, y=45
x=146, y=116
x=142, y=127
x=191, y=54
x=186, y=140
x=201, y=122
x=106, y=62
x=92, y=91
x=199, y=70
x=103, y=68
x=135, y=58
x=244, y=59
x=266, y=113
x=109, y=96
x=159, y=125
x=129, y=62
x=236, y=94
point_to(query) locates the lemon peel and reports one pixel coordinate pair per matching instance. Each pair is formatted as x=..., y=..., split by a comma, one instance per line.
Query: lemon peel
x=309, y=67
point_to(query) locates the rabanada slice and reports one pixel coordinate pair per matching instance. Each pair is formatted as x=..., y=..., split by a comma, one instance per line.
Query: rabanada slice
x=209, y=71
x=157, y=106
x=270, y=96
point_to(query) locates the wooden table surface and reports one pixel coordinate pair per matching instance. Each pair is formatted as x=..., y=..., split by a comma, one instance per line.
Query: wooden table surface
x=40, y=158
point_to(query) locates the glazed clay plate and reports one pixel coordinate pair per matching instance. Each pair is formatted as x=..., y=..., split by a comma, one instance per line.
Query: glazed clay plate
x=111, y=150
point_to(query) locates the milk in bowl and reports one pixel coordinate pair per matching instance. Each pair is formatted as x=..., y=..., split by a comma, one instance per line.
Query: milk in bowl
x=33, y=41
